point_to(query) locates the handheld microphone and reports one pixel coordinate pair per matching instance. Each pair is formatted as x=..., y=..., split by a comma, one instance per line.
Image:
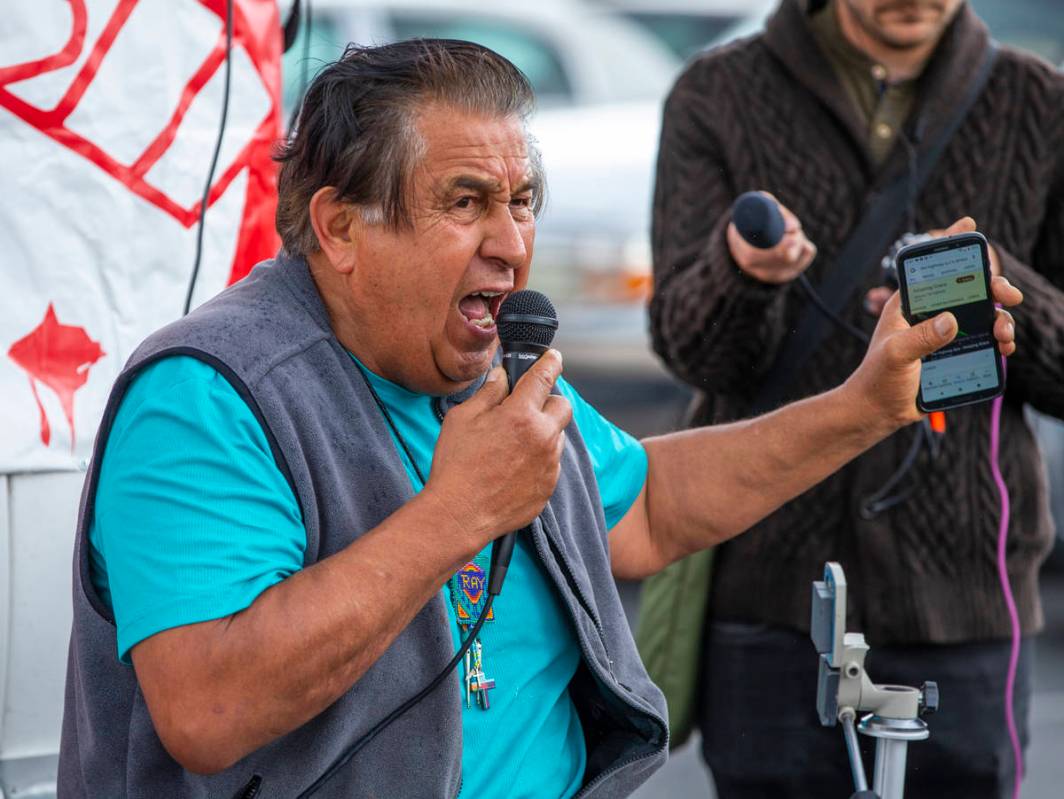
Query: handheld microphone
x=758, y=220
x=527, y=323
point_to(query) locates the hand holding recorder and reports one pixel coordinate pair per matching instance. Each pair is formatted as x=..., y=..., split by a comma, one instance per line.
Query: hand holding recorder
x=938, y=337
x=953, y=274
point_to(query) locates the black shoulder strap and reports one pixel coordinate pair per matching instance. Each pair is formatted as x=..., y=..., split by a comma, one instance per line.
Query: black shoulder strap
x=862, y=251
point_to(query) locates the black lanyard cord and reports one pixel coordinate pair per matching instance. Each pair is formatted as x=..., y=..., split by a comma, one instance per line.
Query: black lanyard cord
x=392, y=425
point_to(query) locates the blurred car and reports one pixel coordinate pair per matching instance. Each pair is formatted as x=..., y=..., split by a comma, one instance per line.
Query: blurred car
x=687, y=26
x=573, y=53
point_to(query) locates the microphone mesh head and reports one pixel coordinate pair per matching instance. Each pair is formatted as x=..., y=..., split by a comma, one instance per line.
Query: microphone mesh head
x=758, y=220
x=527, y=303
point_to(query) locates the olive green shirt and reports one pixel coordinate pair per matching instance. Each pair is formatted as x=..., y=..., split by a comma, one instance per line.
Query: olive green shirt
x=883, y=106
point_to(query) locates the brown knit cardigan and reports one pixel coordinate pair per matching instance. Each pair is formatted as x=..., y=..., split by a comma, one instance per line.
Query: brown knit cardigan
x=768, y=113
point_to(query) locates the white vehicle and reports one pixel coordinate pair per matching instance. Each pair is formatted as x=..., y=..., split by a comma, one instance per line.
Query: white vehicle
x=1035, y=25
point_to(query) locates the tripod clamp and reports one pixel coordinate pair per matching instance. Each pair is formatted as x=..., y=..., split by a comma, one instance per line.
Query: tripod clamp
x=844, y=689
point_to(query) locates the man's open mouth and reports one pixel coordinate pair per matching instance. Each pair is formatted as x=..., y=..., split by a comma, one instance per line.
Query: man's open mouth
x=480, y=307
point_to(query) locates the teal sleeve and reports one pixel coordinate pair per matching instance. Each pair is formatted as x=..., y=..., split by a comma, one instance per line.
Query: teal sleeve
x=619, y=460
x=193, y=517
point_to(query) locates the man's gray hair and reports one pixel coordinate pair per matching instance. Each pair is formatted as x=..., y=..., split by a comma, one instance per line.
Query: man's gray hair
x=357, y=127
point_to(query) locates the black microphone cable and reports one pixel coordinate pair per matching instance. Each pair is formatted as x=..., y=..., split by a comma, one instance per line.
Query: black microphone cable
x=214, y=157
x=818, y=301
x=290, y=27
x=297, y=19
x=882, y=499
x=304, y=78
x=381, y=725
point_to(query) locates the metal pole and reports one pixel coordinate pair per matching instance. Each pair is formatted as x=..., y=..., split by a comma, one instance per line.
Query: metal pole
x=860, y=782
x=890, y=768
x=892, y=742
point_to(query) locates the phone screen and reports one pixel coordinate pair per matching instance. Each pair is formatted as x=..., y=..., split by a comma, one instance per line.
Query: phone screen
x=953, y=275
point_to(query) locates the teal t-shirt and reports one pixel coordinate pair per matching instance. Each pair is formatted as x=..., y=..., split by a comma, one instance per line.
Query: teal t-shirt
x=194, y=520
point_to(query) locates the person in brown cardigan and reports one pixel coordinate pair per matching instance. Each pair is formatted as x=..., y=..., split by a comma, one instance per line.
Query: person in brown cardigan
x=823, y=110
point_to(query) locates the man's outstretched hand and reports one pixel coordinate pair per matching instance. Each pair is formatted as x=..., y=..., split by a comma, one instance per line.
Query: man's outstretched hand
x=888, y=378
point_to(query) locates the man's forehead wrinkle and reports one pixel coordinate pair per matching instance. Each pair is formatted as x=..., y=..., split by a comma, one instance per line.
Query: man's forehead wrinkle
x=483, y=177
x=450, y=134
x=510, y=144
x=482, y=156
x=480, y=161
x=473, y=153
x=490, y=185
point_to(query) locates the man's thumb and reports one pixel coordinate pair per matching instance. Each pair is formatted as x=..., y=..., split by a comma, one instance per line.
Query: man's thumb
x=927, y=337
x=963, y=225
x=494, y=390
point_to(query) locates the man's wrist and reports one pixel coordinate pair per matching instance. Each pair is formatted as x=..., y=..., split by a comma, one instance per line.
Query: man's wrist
x=450, y=529
x=861, y=418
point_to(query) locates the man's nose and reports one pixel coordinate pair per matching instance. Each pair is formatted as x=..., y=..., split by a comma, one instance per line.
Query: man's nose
x=503, y=241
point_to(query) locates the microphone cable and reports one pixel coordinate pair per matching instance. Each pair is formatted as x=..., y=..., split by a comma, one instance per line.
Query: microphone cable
x=930, y=433
x=304, y=78
x=381, y=725
x=882, y=499
x=214, y=157
x=818, y=301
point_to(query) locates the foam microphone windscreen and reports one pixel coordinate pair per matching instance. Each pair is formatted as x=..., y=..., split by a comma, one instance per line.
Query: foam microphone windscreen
x=527, y=316
x=758, y=219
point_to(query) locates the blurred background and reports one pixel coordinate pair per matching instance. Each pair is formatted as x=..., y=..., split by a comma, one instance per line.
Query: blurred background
x=601, y=71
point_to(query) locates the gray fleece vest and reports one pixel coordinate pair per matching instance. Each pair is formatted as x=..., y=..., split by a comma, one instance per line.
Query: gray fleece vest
x=269, y=336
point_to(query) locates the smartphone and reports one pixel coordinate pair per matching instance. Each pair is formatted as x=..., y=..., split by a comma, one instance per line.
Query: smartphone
x=953, y=274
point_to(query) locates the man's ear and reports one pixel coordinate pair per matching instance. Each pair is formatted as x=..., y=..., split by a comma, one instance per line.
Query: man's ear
x=336, y=225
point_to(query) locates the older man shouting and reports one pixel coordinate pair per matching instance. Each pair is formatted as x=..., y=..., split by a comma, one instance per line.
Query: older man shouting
x=282, y=537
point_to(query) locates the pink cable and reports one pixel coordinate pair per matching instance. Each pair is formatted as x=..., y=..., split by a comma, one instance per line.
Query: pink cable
x=1006, y=588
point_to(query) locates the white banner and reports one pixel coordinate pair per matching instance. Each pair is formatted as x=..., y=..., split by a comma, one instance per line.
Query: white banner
x=109, y=114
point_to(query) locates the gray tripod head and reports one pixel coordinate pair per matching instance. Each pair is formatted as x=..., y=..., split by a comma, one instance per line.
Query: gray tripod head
x=844, y=689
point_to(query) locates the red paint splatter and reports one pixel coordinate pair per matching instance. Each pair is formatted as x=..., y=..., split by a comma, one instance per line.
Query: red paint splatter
x=59, y=356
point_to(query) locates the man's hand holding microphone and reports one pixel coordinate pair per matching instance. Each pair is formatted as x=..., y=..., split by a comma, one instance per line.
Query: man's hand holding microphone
x=498, y=456
x=777, y=250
